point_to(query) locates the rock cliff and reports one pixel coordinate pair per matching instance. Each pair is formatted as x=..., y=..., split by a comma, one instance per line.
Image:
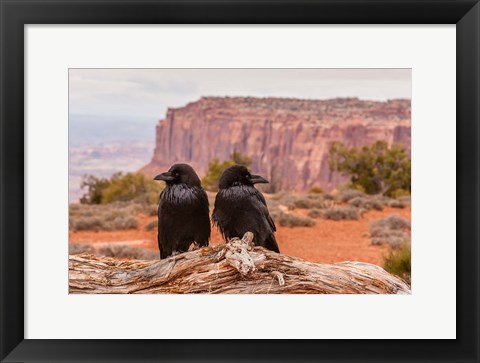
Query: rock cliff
x=287, y=139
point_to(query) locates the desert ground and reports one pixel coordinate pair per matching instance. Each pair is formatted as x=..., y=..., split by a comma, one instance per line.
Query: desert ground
x=327, y=241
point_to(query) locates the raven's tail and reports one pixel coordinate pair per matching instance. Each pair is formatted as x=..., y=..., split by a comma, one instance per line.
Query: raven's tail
x=271, y=243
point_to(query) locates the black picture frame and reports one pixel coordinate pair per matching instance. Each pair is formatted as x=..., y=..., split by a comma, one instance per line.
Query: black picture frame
x=15, y=14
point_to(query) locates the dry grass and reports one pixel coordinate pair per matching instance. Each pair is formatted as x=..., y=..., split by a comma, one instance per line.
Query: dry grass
x=315, y=213
x=366, y=203
x=393, y=230
x=115, y=250
x=107, y=217
x=124, y=251
x=291, y=220
x=345, y=195
x=341, y=213
x=151, y=225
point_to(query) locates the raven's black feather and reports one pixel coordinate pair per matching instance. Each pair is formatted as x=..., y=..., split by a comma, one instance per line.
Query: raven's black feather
x=183, y=213
x=240, y=207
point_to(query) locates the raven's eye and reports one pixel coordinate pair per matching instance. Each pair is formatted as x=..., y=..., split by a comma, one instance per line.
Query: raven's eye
x=177, y=175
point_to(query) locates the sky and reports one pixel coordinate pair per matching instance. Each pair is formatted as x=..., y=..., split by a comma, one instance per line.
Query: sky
x=147, y=93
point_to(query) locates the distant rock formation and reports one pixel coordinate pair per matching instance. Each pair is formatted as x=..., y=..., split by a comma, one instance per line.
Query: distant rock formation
x=287, y=139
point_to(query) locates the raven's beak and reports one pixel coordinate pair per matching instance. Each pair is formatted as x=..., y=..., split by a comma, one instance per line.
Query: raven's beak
x=258, y=179
x=167, y=176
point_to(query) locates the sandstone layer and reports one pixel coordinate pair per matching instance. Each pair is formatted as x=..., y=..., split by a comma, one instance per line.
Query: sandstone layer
x=287, y=139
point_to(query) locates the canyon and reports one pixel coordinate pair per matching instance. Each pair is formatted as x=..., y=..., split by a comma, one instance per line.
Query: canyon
x=287, y=139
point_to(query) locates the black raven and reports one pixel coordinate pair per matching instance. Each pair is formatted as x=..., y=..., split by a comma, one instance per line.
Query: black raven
x=183, y=214
x=239, y=208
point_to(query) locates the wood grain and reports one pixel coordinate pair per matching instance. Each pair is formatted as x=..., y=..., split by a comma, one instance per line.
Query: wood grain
x=237, y=267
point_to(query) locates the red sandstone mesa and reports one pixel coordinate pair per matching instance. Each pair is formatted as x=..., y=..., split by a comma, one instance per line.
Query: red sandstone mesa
x=287, y=139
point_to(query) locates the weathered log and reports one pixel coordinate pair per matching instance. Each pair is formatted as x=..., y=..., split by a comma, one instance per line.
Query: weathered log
x=237, y=267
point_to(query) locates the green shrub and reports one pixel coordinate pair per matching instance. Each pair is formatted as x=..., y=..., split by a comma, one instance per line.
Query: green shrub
x=375, y=169
x=399, y=262
x=316, y=190
x=216, y=169
x=399, y=193
x=341, y=213
x=132, y=186
x=120, y=187
x=95, y=187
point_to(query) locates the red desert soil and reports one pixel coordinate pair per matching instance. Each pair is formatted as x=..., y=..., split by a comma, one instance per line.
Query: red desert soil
x=327, y=241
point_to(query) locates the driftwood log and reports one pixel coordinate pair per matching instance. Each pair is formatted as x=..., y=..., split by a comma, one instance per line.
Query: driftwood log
x=237, y=267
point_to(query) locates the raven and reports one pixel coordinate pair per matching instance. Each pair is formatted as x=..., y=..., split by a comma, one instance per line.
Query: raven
x=183, y=213
x=239, y=208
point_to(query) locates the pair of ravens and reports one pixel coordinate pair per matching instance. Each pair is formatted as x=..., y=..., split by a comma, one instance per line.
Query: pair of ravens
x=183, y=213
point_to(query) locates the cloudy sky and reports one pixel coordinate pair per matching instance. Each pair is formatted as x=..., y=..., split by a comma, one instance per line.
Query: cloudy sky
x=147, y=93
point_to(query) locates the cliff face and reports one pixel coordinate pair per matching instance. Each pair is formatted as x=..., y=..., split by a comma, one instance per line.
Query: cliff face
x=287, y=139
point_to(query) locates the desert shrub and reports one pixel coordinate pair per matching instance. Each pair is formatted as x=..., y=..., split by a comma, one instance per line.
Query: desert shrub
x=393, y=230
x=131, y=186
x=375, y=169
x=315, y=213
x=115, y=216
x=405, y=199
x=120, y=187
x=151, y=225
x=78, y=248
x=399, y=262
x=341, y=213
x=87, y=223
x=366, y=203
x=345, y=195
x=303, y=201
x=150, y=210
x=113, y=250
x=316, y=190
x=393, y=222
x=121, y=223
x=125, y=251
x=328, y=197
x=95, y=187
x=308, y=203
x=396, y=204
x=216, y=168
x=291, y=220
x=392, y=240
x=399, y=193
x=283, y=199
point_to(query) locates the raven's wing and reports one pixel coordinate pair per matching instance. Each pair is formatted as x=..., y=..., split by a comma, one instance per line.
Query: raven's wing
x=264, y=210
x=202, y=233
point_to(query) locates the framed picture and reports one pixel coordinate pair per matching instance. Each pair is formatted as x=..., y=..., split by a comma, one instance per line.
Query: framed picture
x=120, y=57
